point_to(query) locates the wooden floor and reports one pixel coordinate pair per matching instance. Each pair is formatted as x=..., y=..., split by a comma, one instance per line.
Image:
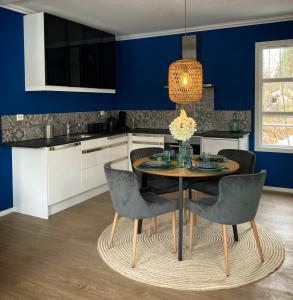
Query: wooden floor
x=57, y=259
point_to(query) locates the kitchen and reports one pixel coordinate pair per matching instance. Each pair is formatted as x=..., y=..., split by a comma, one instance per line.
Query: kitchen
x=42, y=177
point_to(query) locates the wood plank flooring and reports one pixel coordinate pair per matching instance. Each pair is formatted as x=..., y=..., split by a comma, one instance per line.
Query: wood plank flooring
x=57, y=258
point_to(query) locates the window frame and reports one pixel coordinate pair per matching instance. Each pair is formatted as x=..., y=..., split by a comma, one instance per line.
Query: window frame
x=258, y=145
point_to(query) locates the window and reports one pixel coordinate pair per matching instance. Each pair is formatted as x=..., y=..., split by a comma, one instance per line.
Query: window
x=274, y=96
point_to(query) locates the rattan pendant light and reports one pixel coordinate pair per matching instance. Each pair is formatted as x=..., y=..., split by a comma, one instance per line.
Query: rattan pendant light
x=185, y=79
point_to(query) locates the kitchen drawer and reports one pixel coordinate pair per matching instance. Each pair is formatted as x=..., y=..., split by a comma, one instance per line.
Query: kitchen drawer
x=95, y=143
x=214, y=145
x=94, y=157
x=142, y=145
x=148, y=138
x=115, y=139
x=93, y=177
x=117, y=151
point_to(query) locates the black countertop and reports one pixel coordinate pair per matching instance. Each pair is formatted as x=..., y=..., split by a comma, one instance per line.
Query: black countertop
x=61, y=140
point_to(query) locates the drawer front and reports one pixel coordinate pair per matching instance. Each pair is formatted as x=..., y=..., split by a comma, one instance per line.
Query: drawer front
x=116, y=152
x=93, y=177
x=95, y=143
x=97, y=157
x=215, y=145
x=148, y=138
x=117, y=139
x=142, y=145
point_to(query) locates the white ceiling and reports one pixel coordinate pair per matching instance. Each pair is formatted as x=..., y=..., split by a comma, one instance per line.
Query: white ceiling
x=130, y=17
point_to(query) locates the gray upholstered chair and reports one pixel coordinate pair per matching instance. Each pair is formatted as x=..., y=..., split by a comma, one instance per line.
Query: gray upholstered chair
x=124, y=188
x=237, y=203
x=157, y=184
x=246, y=161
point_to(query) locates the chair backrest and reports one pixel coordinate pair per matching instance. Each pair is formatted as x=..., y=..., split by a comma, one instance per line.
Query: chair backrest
x=124, y=191
x=239, y=197
x=245, y=159
x=139, y=153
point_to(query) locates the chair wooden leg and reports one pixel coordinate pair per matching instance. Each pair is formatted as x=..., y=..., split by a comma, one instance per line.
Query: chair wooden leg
x=154, y=224
x=110, y=240
x=191, y=215
x=174, y=231
x=224, y=232
x=256, y=237
x=134, y=241
x=150, y=227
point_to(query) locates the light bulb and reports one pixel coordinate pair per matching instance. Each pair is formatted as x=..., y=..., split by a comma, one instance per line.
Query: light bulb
x=185, y=79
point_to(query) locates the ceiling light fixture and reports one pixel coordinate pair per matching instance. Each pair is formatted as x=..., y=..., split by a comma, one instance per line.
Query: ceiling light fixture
x=185, y=79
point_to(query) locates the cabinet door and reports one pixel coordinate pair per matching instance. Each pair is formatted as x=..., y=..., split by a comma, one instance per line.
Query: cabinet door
x=55, y=51
x=92, y=57
x=117, y=151
x=214, y=145
x=75, y=41
x=108, y=56
x=93, y=177
x=64, y=173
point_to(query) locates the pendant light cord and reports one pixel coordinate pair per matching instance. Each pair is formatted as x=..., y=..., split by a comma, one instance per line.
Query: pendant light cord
x=185, y=18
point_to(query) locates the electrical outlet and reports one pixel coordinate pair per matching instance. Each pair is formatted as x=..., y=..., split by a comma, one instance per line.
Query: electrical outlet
x=19, y=117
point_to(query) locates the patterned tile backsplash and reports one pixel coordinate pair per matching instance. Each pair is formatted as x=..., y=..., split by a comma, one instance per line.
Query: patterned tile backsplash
x=33, y=126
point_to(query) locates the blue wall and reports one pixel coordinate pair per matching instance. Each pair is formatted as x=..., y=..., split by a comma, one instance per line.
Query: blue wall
x=13, y=98
x=228, y=59
x=227, y=56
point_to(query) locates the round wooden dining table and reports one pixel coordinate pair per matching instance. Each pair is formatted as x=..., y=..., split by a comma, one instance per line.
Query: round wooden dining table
x=230, y=167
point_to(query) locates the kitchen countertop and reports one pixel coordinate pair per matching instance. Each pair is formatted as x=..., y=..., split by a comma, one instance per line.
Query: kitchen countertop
x=61, y=140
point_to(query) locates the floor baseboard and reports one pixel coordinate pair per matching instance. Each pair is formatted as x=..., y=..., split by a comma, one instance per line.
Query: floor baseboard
x=266, y=188
x=278, y=189
x=7, y=211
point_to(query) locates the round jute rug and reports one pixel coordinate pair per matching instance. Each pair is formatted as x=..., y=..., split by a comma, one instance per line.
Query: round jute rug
x=203, y=269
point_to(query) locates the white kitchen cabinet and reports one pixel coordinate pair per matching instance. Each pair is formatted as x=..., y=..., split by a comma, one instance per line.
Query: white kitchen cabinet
x=214, y=145
x=45, y=177
x=64, y=172
x=94, y=156
x=118, y=151
x=139, y=140
x=96, y=152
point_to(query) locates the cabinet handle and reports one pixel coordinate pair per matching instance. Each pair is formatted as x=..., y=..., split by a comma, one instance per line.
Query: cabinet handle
x=147, y=134
x=117, y=144
x=148, y=143
x=61, y=147
x=93, y=150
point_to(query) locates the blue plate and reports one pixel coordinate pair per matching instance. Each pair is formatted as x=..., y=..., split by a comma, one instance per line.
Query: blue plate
x=208, y=166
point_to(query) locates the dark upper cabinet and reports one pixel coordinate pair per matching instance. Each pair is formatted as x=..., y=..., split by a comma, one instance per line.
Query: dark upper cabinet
x=77, y=55
x=56, y=51
x=107, y=66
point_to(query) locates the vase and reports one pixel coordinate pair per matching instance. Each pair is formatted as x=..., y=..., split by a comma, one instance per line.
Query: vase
x=185, y=154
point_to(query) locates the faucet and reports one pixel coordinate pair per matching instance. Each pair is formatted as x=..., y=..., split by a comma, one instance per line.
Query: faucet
x=68, y=128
